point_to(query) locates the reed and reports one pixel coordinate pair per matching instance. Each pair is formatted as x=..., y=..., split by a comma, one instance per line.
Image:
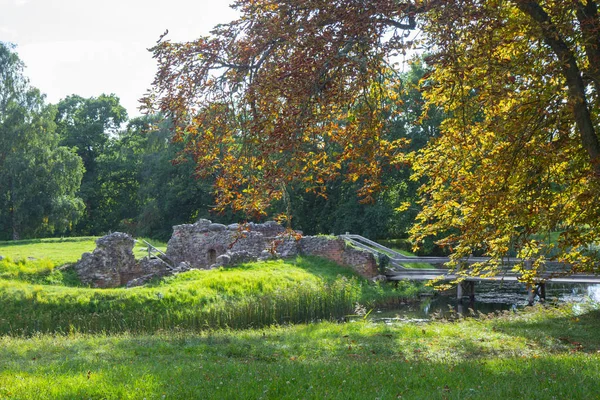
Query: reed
x=251, y=295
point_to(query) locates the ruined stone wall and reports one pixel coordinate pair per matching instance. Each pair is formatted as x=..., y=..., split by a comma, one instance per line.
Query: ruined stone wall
x=205, y=245
x=113, y=264
x=336, y=250
x=199, y=244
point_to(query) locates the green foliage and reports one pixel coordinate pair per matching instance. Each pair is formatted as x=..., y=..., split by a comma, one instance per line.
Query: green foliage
x=141, y=190
x=519, y=153
x=394, y=209
x=87, y=126
x=167, y=192
x=383, y=263
x=39, y=178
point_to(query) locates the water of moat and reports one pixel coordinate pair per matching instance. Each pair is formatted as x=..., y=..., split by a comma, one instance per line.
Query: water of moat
x=489, y=298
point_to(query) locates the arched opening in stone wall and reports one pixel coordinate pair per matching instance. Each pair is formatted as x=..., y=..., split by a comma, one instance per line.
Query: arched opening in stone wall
x=211, y=256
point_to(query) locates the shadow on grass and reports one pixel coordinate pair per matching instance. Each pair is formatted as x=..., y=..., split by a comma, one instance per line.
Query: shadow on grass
x=575, y=332
x=306, y=362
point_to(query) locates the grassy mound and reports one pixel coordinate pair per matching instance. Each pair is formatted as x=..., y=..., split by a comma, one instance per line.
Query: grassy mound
x=255, y=294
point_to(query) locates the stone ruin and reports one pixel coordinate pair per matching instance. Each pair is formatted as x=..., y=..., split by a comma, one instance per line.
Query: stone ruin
x=206, y=245
x=112, y=264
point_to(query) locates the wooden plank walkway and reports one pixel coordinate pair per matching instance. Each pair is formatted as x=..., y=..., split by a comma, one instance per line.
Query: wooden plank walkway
x=400, y=272
x=430, y=274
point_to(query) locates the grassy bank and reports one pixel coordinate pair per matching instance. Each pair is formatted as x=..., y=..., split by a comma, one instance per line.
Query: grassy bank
x=255, y=294
x=175, y=338
x=543, y=355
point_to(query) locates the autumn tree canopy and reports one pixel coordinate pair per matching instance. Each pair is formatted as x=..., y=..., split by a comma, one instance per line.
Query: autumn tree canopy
x=291, y=92
x=299, y=91
x=518, y=163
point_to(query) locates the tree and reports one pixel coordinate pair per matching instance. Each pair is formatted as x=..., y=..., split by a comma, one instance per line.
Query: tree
x=341, y=211
x=88, y=125
x=143, y=192
x=298, y=91
x=290, y=92
x=517, y=166
x=170, y=192
x=38, y=178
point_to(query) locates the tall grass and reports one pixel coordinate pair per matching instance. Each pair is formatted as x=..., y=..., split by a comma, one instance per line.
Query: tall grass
x=252, y=295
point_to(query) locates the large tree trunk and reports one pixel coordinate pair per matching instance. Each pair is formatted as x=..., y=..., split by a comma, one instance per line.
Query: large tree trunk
x=590, y=29
x=576, y=87
x=15, y=234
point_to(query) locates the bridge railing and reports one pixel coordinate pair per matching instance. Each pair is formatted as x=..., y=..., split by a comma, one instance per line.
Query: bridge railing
x=158, y=254
x=397, y=259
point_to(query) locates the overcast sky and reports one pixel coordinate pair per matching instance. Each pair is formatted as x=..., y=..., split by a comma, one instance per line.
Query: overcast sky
x=90, y=47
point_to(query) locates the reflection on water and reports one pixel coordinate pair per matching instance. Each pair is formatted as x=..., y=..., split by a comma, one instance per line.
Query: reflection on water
x=594, y=292
x=489, y=297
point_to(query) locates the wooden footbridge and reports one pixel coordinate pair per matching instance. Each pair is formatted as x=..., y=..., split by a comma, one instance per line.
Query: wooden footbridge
x=399, y=271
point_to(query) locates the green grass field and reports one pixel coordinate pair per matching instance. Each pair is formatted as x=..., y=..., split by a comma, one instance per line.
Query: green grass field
x=57, y=250
x=175, y=339
x=62, y=250
x=541, y=354
x=39, y=260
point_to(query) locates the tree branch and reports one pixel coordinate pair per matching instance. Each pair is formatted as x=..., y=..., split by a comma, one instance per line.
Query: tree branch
x=590, y=27
x=412, y=23
x=572, y=74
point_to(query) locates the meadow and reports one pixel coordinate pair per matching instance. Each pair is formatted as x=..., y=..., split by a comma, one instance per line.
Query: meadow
x=273, y=330
x=540, y=354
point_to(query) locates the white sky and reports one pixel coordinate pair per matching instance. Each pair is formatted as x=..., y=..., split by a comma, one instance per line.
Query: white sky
x=90, y=47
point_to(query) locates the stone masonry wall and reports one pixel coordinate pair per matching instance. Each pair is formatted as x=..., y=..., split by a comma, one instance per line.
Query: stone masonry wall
x=199, y=244
x=113, y=264
x=204, y=245
x=362, y=262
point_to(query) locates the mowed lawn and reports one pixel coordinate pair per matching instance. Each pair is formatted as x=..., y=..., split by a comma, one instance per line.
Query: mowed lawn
x=539, y=354
x=61, y=250
x=58, y=250
x=38, y=260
